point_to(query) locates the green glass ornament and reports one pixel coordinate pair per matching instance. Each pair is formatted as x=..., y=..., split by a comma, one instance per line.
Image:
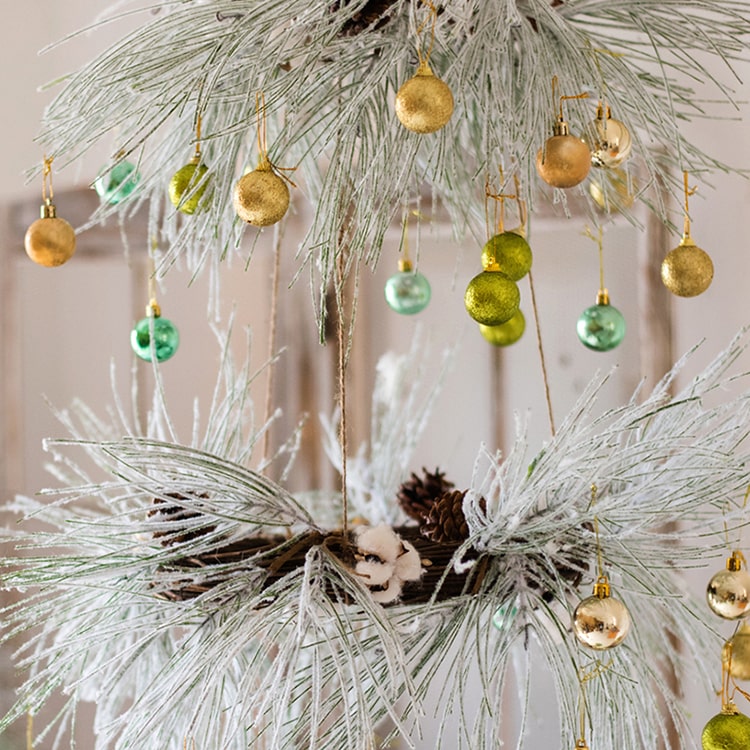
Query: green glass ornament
x=601, y=327
x=187, y=186
x=504, y=616
x=510, y=252
x=407, y=292
x=116, y=184
x=491, y=298
x=506, y=333
x=165, y=333
x=729, y=730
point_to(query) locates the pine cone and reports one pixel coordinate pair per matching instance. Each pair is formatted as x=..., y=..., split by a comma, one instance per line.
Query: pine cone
x=416, y=496
x=446, y=521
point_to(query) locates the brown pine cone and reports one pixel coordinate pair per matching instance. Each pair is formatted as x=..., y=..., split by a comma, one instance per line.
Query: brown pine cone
x=416, y=496
x=446, y=521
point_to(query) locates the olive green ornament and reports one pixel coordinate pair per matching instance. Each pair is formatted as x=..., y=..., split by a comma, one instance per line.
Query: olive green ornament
x=728, y=730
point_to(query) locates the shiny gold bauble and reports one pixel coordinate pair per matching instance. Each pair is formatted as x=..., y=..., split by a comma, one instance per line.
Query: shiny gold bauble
x=509, y=251
x=424, y=103
x=687, y=270
x=187, y=186
x=601, y=622
x=728, y=594
x=50, y=241
x=564, y=162
x=738, y=648
x=729, y=730
x=608, y=140
x=261, y=197
x=506, y=333
x=491, y=298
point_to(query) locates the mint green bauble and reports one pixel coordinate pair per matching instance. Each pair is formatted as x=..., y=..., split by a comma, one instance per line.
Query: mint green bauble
x=166, y=338
x=601, y=327
x=407, y=292
x=118, y=183
x=511, y=252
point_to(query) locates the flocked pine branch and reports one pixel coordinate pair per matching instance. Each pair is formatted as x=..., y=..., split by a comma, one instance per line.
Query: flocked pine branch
x=329, y=72
x=307, y=658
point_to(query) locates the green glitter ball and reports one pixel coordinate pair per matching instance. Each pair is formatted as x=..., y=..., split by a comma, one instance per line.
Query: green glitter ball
x=511, y=252
x=187, y=186
x=491, y=298
x=506, y=333
x=729, y=730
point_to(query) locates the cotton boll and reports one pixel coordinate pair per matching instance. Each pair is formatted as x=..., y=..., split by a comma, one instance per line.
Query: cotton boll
x=390, y=593
x=373, y=572
x=379, y=540
x=409, y=563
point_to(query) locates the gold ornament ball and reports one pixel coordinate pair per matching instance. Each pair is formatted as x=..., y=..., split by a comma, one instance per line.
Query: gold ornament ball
x=261, y=197
x=738, y=648
x=511, y=252
x=50, y=241
x=187, y=186
x=728, y=594
x=729, y=730
x=608, y=140
x=491, y=298
x=687, y=271
x=564, y=162
x=601, y=622
x=424, y=103
x=611, y=190
x=506, y=333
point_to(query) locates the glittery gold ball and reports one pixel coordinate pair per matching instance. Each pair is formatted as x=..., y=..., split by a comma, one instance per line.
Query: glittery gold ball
x=424, y=103
x=491, y=298
x=506, y=333
x=564, y=161
x=687, y=270
x=728, y=594
x=601, y=622
x=738, y=647
x=727, y=731
x=50, y=241
x=511, y=252
x=261, y=197
x=187, y=186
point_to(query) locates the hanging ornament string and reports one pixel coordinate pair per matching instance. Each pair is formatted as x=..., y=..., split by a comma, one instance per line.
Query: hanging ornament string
x=564, y=98
x=277, y=238
x=198, y=124
x=424, y=57
x=597, y=538
x=48, y=194
x=340, y=272
x=585, y=675
x=542, y=361
x=152, y=295
x=29, y=730
x=688, y=192
x=185, y=745
x=263, y=161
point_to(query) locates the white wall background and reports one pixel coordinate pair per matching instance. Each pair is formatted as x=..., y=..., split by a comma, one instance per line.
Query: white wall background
x=74, y=320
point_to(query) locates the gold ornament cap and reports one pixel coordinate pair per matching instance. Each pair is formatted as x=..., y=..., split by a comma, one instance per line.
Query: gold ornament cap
x=602, y=588
x=560, y=127
x=47, y=210
x=153, y=309
x=404, y=265
x=602, y=297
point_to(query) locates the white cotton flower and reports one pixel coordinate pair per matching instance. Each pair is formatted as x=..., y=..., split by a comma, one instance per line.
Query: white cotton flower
x=381, y=541
x=409, y=563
